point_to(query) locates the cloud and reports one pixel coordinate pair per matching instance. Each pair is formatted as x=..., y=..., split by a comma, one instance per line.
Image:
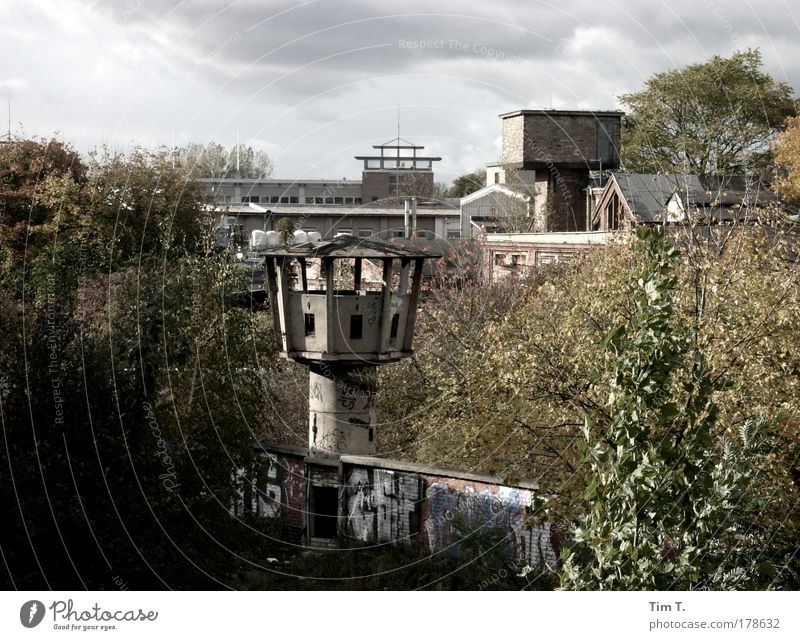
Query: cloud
x=317, y=82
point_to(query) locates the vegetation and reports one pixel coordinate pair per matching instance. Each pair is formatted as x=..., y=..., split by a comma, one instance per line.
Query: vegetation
x=713, y=117
x=217, y=162
x=787, y=157
x=467, y=183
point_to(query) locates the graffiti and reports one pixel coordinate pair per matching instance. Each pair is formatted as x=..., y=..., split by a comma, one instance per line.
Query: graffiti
x=503, y=508
x=381, y=505
x=273, y=488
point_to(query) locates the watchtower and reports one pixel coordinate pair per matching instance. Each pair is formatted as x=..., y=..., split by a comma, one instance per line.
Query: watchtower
x=329, y=316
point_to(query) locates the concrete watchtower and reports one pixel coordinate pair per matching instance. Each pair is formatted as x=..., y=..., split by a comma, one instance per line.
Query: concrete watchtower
x=327, y=317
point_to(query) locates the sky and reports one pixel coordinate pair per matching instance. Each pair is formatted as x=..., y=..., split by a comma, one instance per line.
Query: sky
x=316, y=82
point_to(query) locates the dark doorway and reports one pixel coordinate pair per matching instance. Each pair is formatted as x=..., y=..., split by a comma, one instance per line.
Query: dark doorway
x=325, y=509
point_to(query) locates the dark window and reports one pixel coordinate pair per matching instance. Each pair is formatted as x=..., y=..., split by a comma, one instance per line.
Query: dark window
x=309, y=200
x=326, y=507
x=371, y=434
x=395, y=322
x=374, y=198
x=273, y=199
x=284, y=199
x=356, y=327
x=328, y=200
x=348, y=201
x=309, y=323
x=293, y=200
x=338, y=200
x=357, y=200
x=318, y=200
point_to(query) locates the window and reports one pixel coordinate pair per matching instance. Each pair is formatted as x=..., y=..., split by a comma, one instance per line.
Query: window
x=364, y=233
x=309, y=200
x=398, y=233
x=395, y=323
x=497, y=178
x=284, y=199
x=356, y=200
x=328, y=200
x=308, y=319
x=348, y=201
x=338, y=200
x=452, y=235
x=499, y=259
x=356, y=327
x=374, y=198
x=318, y=200
x=324, y=511
x=273, y=199
x=293, y=200
x=345, y=232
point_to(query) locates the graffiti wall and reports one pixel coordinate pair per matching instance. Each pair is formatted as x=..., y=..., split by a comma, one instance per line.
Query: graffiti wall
x=454, y=508
x=274, y=488
x=381, y=505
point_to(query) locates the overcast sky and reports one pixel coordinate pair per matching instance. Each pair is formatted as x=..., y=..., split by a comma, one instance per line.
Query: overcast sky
x=316, y=82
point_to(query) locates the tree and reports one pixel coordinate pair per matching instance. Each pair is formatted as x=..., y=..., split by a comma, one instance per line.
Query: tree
x=712, y=117
x=468, y=183
x=216, y=162
x=667, y=502
x=787, y=157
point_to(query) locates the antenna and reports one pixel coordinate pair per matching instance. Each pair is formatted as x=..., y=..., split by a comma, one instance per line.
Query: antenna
x=237, y=153
x=398, y=124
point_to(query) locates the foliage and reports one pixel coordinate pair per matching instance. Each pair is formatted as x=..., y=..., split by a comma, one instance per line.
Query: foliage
x=505, y=370
x=216, y=162
x=131, y=388
x=285, y=227
x=787, y=157
x=712, y=117
x=666, y=502
x=467, y=183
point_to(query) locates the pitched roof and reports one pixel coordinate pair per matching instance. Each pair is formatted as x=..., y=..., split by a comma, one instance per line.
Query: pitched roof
x=647, y=194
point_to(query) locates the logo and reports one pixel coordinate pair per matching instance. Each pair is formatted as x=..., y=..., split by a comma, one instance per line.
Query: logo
x=31, y=613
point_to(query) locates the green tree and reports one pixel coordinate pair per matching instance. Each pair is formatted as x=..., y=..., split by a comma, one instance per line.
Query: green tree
x=666, y=499
x=713, y=117
x=468, y=183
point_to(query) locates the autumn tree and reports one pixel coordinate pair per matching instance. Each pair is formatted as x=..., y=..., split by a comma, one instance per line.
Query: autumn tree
x=787, y=158
x=712, y=117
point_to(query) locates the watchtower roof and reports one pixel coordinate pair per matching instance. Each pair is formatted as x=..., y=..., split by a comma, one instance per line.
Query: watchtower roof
x=347, y=247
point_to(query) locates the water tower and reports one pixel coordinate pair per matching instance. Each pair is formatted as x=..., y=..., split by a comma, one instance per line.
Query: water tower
x=331, y=316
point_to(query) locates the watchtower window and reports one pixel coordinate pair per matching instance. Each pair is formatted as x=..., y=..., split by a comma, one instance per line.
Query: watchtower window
x=356, y=327
x=395, y=322
x=308, y=321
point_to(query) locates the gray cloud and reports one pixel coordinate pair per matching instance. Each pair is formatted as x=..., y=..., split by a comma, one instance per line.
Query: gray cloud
x=316, y=82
